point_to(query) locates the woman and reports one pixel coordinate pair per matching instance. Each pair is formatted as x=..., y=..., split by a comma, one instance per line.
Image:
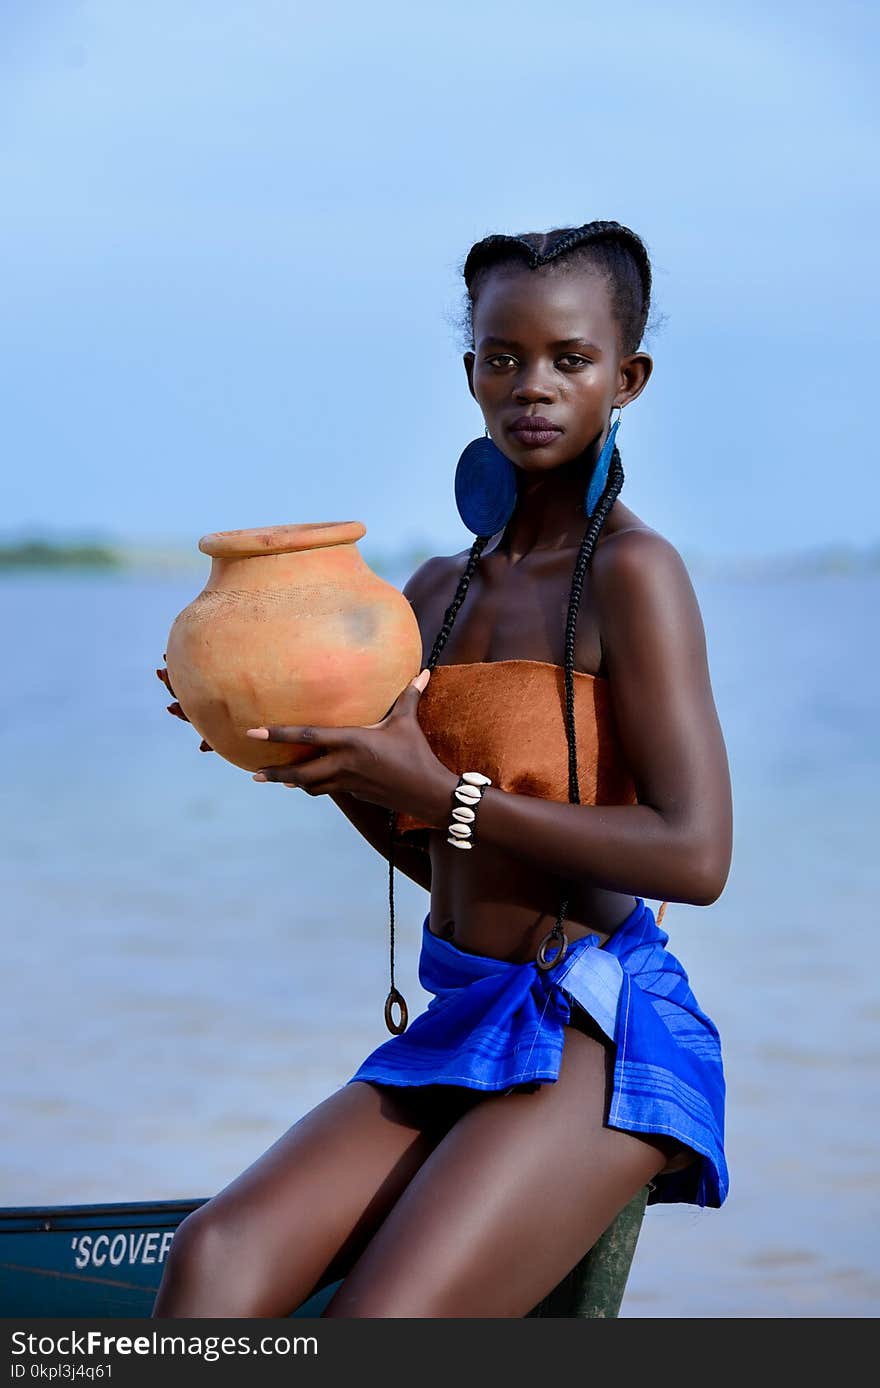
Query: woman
x=564, y=1063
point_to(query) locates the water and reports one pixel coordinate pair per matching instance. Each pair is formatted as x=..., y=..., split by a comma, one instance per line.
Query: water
x=194, y=960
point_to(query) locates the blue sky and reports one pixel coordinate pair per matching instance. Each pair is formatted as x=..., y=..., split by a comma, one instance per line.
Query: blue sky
x=232, y=237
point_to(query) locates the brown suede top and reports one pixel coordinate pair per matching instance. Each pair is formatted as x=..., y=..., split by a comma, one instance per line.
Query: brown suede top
x=506, y=718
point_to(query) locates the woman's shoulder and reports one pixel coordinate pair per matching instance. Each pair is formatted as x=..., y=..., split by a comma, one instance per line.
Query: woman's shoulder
x=641, y=586
x=430, y=590
x=435, y=573
x=643, y=595
x=629, y=545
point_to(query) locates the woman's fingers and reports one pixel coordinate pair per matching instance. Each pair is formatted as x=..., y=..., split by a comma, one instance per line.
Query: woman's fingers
x=317, y=737
x=176, y=709
x=163, y=676
x=308, y=775
x=304, y=774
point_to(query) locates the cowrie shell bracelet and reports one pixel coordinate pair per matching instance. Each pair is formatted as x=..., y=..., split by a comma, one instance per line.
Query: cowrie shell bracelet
x=468, y=793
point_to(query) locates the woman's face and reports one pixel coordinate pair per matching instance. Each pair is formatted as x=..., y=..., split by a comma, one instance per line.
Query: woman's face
x=547, y=344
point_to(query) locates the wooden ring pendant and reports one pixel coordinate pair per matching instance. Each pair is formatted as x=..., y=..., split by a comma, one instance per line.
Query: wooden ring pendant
x=558, y=936
x=395, y=997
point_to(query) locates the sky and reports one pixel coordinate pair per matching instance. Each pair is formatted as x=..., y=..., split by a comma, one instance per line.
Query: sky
x=232, y=239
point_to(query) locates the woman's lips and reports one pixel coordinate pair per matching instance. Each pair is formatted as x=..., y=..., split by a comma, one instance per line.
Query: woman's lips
x=535, y=438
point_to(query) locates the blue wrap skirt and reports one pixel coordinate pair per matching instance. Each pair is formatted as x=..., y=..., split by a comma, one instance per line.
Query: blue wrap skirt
x=495, y=1025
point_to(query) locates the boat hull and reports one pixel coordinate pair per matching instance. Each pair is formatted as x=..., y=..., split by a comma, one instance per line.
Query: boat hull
x=95, y=1260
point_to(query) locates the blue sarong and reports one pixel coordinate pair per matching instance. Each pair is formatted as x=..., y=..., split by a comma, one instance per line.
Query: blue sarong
x=492, y=1025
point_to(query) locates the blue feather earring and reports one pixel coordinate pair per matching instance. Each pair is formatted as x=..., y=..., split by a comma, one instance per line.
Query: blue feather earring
x=603, y=465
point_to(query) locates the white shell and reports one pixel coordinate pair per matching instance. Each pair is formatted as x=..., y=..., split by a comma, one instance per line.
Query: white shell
x=467, y=795
x=464, y=814
x=460, y=831
x=459, y=843
x=476, y=778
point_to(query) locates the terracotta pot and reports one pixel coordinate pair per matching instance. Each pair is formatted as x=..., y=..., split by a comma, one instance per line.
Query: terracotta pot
x=292, y=626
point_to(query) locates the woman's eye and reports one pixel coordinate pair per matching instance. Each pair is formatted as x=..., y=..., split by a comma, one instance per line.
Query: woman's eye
x=502, y=358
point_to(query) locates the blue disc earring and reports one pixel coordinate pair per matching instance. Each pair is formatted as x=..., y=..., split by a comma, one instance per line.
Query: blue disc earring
x=485, y=487
x=603, y=464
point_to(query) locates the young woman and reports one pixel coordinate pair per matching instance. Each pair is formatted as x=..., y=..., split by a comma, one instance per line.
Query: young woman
x=564, y=1062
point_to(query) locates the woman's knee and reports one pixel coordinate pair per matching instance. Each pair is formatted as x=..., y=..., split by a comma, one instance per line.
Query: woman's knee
x=202, y=1240
x=207, y=1267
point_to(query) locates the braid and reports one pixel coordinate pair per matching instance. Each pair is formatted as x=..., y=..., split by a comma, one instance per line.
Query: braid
x=612, y=487
x=578, y=236
x=460, y=594
x=585, y=555
x=394, y=997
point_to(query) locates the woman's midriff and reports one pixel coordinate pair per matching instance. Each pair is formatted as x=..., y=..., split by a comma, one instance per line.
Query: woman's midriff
x=490, y=903
x=494, y=905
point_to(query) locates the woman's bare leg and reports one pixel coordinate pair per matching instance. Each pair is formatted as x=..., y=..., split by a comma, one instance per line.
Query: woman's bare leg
x=306, y=1206
x=507, y=1203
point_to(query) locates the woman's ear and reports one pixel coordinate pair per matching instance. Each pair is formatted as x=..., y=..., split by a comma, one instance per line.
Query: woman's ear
x=634, y=373
x=469, y=359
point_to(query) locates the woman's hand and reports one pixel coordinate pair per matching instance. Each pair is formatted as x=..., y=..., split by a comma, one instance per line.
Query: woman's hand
x=389, y=763
x=175, y=707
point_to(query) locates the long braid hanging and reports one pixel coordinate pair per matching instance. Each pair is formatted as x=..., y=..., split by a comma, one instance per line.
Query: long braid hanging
x=395, y=997
x=588, y=544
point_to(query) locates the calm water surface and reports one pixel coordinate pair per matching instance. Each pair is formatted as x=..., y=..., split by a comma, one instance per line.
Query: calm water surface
x=192, y=960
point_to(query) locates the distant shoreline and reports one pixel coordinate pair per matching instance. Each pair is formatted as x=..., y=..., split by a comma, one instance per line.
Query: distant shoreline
x=38, y=554
x=45, y=554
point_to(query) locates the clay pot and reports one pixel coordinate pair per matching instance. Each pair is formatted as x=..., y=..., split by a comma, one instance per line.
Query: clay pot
x=292, y=626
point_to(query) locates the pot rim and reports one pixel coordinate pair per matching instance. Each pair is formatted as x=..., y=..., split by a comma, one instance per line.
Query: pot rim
x=280, y=539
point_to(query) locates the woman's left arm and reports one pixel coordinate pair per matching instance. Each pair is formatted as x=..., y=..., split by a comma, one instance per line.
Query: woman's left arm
x=676, y=843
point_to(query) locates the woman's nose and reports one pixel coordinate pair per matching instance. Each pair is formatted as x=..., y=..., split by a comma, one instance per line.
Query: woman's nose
x=531, y=388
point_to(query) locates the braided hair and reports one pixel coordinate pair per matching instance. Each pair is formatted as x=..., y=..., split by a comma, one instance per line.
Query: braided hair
x=622, y=258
